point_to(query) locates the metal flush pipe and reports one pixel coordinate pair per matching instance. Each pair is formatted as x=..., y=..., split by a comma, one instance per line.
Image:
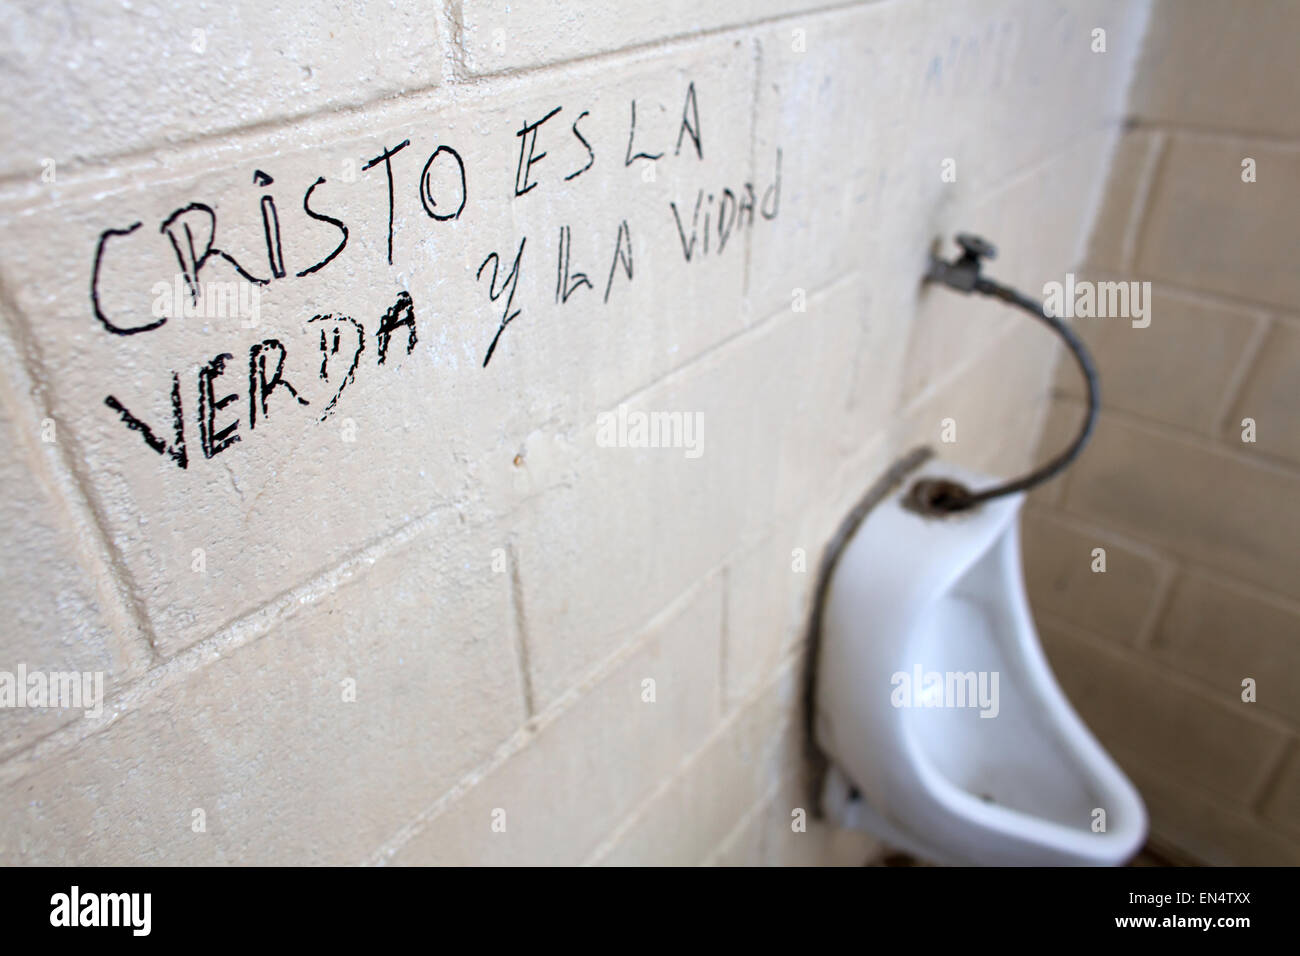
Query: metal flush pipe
x=934, y=495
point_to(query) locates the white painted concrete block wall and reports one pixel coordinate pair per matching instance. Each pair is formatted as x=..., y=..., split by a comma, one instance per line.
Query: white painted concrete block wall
x=448, y=538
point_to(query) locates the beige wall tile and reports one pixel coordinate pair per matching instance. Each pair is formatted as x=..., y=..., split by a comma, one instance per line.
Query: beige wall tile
x=1138, y=712
x=996, y=402
x=1204, y=828
x=587, y=769
x=1058, y=562
x=1283, y=805
x=1269, y=397
x=746, y=760
x=264, y=742
x=1209, y=230
x=1220, y=65
x=1179, y=370
x=769, y=595
x=781, y=431
x=1119, y=213
x=104, y=78
x=500, y=36
x=51, y=613
x=1223, y=634
x=1213, y=506
x=865, y=186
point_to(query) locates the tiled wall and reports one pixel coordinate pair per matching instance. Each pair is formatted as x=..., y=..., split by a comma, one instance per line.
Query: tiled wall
x=1201, y=528
x=436, y=620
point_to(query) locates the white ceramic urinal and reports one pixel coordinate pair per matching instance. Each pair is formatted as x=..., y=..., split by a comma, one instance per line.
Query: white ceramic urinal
x=946, y=731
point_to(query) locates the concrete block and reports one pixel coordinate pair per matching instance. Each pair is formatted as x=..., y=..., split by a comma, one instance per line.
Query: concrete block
x=52, y=618
x=1225, y=67
x=1224, y=633
x=1268, y=398
x=101, y=79
x=1208, y=229
x=309, y=745
x=1209, y=504
x=1187, y=735
x=554, y=800
x=1061, y=576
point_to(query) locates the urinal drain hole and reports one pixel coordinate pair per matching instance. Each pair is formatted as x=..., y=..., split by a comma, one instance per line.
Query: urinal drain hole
x=987, y=798
x=937, y=496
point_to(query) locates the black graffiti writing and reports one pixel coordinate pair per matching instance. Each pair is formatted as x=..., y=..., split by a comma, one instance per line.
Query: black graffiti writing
x=259, y=386
x=690, y=123
x=426, y=187
x=509, y=283
x=622, y=253
x=336, y=223
x=350, y=375
x=565, y=283
x=175, y=450
x=401, y=315
x=212, y=440
x=528, y=154
x=302, y=245
x=591, y=153
x=734, y=211
x=267, y=376
x=386, y=157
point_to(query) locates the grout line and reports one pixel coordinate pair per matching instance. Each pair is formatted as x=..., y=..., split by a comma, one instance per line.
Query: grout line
x=1140, y=210
x=1218, y=134
x=736, y=339
x=1086, y=525
x=725, y=639
x=1187, y=436
x=971, y=359
x=99, y=168
x=451, y=34
x=1206, y=297
x=1169, y=562
x=1240, y=376
x=692, y=759
x=1159, y=670
x=69, y=491
x=413, y=827
x=1244, y=309
x=1248, y=590
x=1166, y=576
x=1272, y=781
x=520, y=633
x=987, y=193
x=755, y=96
x=732, y=836
x=672, y=42
x=594, y=676
x=169, y=671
